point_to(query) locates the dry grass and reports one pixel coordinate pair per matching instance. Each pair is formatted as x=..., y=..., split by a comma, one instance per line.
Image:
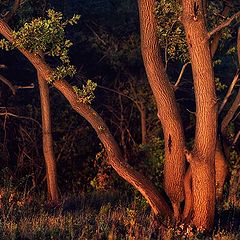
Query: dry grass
x=93, y=216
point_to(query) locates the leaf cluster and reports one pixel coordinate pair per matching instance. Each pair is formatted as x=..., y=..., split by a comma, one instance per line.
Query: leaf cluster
x=46, y=36
x=86, y=94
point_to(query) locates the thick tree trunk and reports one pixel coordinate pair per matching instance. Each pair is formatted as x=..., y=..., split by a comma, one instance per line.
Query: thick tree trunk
x=174, y=168
x=202, y=164
x=147, y=189
x=50, y=162
x=188, y=195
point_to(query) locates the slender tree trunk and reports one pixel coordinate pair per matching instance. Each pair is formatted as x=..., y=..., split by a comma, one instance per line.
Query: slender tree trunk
x=142, y=184
x=202, y=163
x=142, y=111
x=50, y=162
x=221, y=168
x=174, y=168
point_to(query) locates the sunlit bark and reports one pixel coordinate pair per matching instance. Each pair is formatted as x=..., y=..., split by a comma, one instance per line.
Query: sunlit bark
x=174, y=167
x=202, y=164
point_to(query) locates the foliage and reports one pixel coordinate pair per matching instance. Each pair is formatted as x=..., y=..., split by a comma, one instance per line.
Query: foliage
x=170, y=30
x=86, y=94
x=46, y=36
x=152, y=156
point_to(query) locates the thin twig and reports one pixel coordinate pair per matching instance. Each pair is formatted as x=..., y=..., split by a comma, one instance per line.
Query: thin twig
x=236, y=138
x=6, y=114
x=224, y=24
x=115, y=91
x=96, y=35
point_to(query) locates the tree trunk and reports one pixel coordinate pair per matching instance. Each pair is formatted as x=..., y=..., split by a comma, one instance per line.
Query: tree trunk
x=174, y=168
x=50, y=162
x=221, y=169
x=142, y=111
x=202, y=164
x=142, y=184
x=188, y=195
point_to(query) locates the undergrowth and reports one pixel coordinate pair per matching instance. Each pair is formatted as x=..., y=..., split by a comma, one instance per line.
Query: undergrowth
x=99, y=215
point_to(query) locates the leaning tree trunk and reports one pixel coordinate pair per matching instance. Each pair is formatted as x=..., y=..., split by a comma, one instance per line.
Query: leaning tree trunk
x=50, y=161
x=142, y=184
x=174, y=167
x=202, y=161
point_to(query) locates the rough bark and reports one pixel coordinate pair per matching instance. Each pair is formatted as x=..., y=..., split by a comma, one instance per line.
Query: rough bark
x=174, y=168
x=142, y=184
x=188, y=194
x=202, y=164
x=47, y=141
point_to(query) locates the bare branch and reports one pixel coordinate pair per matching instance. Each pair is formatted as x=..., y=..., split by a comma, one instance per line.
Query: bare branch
x=180, y=75
x=117, y=92
x=14, y=87
x=3, y=66
x=9, y=84
x=236, y=138
x=238, y=47
x=25, y=87
x=229, y=92
x=217, y=36
x=6, y=114
x=10, y=14
x=227, y=119
x=224, y=24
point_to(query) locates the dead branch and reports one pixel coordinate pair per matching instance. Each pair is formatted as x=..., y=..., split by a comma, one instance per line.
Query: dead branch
x=9, y=84
x=229, y=92
x=176, y=85
x=224, y=24
x=217, y=36
x=230, y=113
x=6, y=114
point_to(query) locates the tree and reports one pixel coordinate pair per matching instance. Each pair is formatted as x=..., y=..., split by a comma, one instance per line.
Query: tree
x=201, y=190
x=80, y=103
x=51, y=171
x=50, y=162
x=196, y=185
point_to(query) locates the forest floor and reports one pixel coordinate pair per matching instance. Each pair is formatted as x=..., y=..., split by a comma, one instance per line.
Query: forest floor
x=100, y=215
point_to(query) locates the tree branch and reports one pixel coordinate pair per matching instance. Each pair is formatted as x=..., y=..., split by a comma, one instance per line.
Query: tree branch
x=6, y=114
x=10, y=14
x=217, y=36
x=115, y=158
x=180, y=75
x=9, y=84
x=227, y=119
x=224, y=24
x=229, y=92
